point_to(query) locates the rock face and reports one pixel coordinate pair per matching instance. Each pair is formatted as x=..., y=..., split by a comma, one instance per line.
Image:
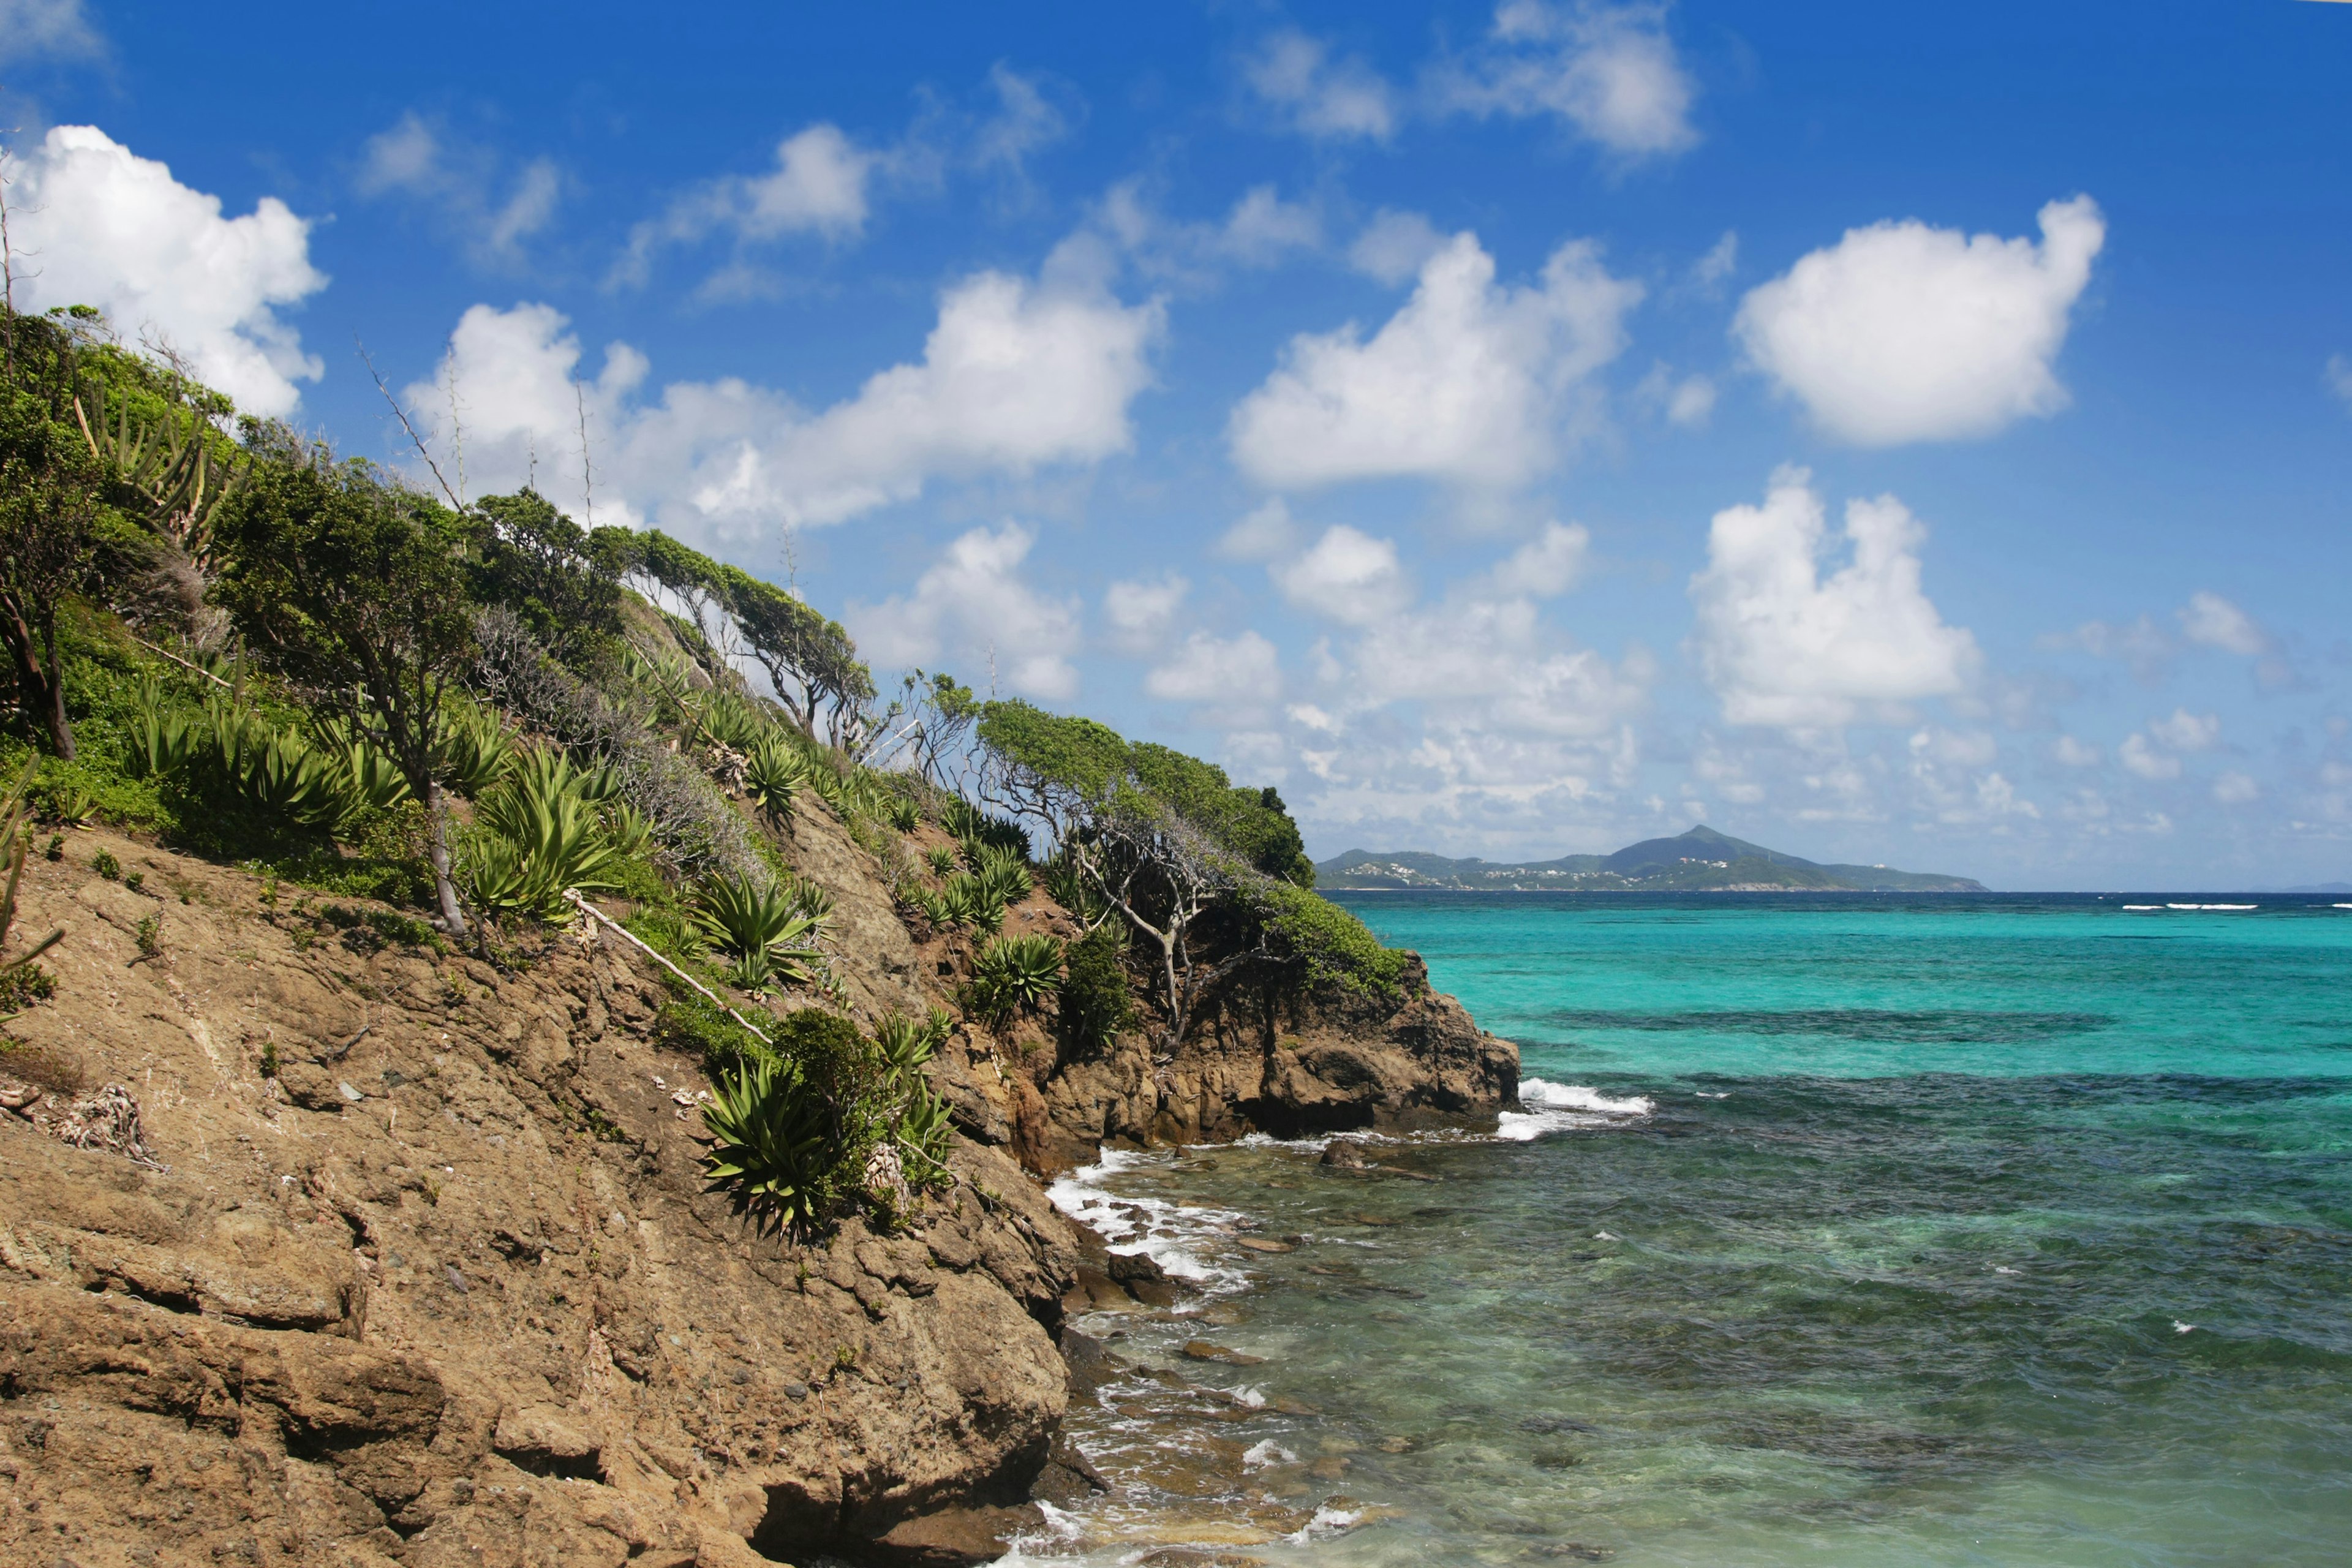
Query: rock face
x=1261, y=1060
x=320, y=1249
x=447, y=1290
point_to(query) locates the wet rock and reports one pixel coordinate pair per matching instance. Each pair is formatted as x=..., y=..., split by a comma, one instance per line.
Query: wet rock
x=1206, y=1350
x=952, y=1538
x=1091, y=1364
x=1069, y=1477
x=1345, y=1152
x=1266, y=1243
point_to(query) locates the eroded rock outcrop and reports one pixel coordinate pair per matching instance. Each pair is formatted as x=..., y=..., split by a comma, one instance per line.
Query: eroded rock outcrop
x=446, y=1290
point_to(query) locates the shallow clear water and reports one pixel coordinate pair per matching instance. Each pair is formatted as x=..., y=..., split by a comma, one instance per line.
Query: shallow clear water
x=1997, y=1231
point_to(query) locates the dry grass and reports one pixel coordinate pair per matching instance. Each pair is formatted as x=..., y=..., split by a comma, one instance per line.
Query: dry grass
x=61, y=1071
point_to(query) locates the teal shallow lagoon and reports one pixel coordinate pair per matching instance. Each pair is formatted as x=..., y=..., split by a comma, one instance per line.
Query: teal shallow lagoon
x=1995, y=1231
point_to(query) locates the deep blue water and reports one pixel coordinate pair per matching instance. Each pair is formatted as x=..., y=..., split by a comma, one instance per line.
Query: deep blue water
x=1852, y=1230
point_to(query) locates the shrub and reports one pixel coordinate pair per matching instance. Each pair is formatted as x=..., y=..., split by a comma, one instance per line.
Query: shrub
x=1093, y=1004
x=106, y=865
x=1333, y=948
x=1014, y=975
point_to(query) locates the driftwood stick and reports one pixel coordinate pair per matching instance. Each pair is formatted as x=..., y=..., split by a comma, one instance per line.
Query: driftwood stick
x=630, y=937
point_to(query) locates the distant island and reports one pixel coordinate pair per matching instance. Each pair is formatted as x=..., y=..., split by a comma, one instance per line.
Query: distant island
x=1699, y=861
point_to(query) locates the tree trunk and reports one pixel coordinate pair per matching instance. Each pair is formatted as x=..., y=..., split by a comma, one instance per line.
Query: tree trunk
x=38, y=690
x=436, y=813
x=53, y=711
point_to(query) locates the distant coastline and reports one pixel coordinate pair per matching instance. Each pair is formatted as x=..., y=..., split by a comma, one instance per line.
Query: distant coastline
x=1699, y=861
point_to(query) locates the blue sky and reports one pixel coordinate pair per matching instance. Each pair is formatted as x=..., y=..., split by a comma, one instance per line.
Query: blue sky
x=1893, y=435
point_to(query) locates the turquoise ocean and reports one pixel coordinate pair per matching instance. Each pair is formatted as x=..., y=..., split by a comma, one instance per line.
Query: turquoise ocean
x=1870, y=1230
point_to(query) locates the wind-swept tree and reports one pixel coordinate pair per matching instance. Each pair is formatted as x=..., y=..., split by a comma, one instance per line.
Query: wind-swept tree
x=353, y=587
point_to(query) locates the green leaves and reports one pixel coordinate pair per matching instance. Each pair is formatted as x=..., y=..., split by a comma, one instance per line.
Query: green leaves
x=776, y=772
x=537, y=834
x=774, y=1149
x=1014, y=975
x=769, y=933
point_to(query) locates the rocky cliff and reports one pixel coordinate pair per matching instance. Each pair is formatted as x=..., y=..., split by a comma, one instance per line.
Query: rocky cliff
x=402, y=1257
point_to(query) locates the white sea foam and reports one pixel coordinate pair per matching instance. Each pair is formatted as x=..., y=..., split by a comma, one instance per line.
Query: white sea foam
x=1267, y=1452
x=1171, y=1233
x=1546, y=1107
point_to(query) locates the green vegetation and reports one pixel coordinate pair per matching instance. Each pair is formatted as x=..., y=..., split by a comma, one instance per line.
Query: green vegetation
x=21, y=982
x=1210, y=874
x=824, y=1114
x=1013, y=975
x=1093, y=1005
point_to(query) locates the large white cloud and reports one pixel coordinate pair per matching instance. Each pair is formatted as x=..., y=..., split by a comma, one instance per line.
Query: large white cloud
x=972, y=605
x=94, y=224
x=1465, y=382
x=1609, y=72
x=1783, y=644
x=1016, y=376
x=1903, y=333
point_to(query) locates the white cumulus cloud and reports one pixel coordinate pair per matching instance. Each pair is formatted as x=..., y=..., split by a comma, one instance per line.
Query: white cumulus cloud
x=1329, y=97
x=1784, y=644
x=1394, y=246
x=1465, y=382
x=2076, y=753
x=1348, y=575
x=972, y=605
x=1016, y=376
x=1609, y=72
x=2234, y=788
x=2212, y=621
x=94, y=224
x=1140, y=611
x=1903, y=333
x=2187, y=731
x=1236, y=674
x=2142, y=758
x=2339, y=377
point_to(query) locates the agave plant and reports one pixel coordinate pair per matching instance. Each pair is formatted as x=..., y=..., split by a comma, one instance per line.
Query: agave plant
x=812, y=898
x=902, y=814
x=1014, y=975
x=1003, y=874
x=924, y=1134
x=773, y=1149
x=731, y=720
x=366, y=778
x=277, y=770
x=976, y=827
x=166, y=463
x=906, y=1044
x=759, y=926
x=940, y=859
x=535, y=836
x=475, y=750
x=966, y=901
x=775, y=772
x=628, y=829
x=161, y=744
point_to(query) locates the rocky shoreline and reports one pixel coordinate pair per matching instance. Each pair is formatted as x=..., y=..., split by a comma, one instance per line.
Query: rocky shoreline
x=422, y=1271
